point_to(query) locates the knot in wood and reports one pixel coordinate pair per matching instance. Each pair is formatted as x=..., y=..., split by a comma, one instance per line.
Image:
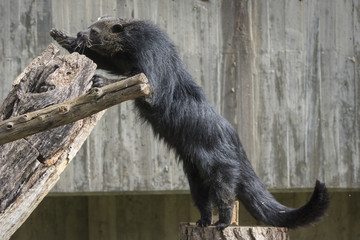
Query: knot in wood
x=9, y=126
x=64, y=109
x=42, y=117
x=24, y=118
x=97, y=92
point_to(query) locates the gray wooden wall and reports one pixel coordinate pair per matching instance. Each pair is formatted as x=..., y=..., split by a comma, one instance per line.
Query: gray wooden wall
x=284, y=73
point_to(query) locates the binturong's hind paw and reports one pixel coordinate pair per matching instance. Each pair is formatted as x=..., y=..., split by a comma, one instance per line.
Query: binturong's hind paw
x=203, y=223
x=221, y=226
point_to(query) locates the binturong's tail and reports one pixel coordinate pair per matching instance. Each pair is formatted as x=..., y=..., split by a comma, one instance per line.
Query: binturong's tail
x=262, y=205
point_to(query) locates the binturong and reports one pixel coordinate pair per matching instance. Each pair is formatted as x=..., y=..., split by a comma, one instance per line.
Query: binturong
x=205, y=143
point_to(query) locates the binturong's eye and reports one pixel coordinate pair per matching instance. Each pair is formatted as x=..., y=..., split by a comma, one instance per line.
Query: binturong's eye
x=117, y=28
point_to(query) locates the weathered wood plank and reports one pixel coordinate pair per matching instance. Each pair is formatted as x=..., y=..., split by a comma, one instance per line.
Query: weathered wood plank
x=295, y=92
x=326, y=90
x=356, y=60
x=237, y=60
x=346, y=101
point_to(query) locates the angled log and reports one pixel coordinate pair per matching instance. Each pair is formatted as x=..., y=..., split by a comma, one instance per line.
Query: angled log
x=30, y=166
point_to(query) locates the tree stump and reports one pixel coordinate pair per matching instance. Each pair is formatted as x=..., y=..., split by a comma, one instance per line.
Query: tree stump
x=189, y=231
x=30, y=166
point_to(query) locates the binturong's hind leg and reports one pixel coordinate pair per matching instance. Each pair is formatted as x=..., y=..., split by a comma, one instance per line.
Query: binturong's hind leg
x=222, y=192
x=200, y=194
x=225, y=215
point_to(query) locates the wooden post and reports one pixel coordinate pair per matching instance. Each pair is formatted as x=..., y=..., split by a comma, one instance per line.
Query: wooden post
x=189, y=231
x=30, y=166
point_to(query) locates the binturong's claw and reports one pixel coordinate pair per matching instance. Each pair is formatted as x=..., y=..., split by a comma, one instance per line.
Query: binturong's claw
x=203, y=223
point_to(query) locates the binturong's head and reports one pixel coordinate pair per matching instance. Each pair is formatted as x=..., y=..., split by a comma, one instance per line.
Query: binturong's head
x=106, y=36
x=125, y=47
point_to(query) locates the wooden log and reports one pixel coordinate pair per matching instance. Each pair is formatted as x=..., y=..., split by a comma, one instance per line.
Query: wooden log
x=30, y=167
x=96, y=100
x=189, y=231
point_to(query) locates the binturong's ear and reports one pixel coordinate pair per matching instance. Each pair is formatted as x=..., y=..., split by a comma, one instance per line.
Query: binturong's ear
x=105, y=16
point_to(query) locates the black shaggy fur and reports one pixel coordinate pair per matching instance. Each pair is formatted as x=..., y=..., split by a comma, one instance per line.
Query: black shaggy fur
x=209, y=148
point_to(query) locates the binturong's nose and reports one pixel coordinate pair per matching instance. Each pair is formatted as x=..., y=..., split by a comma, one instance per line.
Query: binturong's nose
x=84, y=34
x=80, y=34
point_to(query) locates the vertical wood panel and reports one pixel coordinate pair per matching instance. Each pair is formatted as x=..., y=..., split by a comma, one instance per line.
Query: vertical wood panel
x=356, y=59
x=237, y=63
x=312, y=77
x=295, y=96
x=346, y=93
x=329, y=85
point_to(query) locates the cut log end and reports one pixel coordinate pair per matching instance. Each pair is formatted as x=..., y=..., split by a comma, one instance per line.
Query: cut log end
x=189, y=231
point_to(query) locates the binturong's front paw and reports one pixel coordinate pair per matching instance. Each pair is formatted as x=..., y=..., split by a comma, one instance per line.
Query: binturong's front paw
x=98, y=81
x=57, y=35
x=67, y=42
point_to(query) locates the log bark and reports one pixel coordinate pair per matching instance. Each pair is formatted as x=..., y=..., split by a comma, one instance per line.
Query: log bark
x=30, y=167
x=189, y=231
